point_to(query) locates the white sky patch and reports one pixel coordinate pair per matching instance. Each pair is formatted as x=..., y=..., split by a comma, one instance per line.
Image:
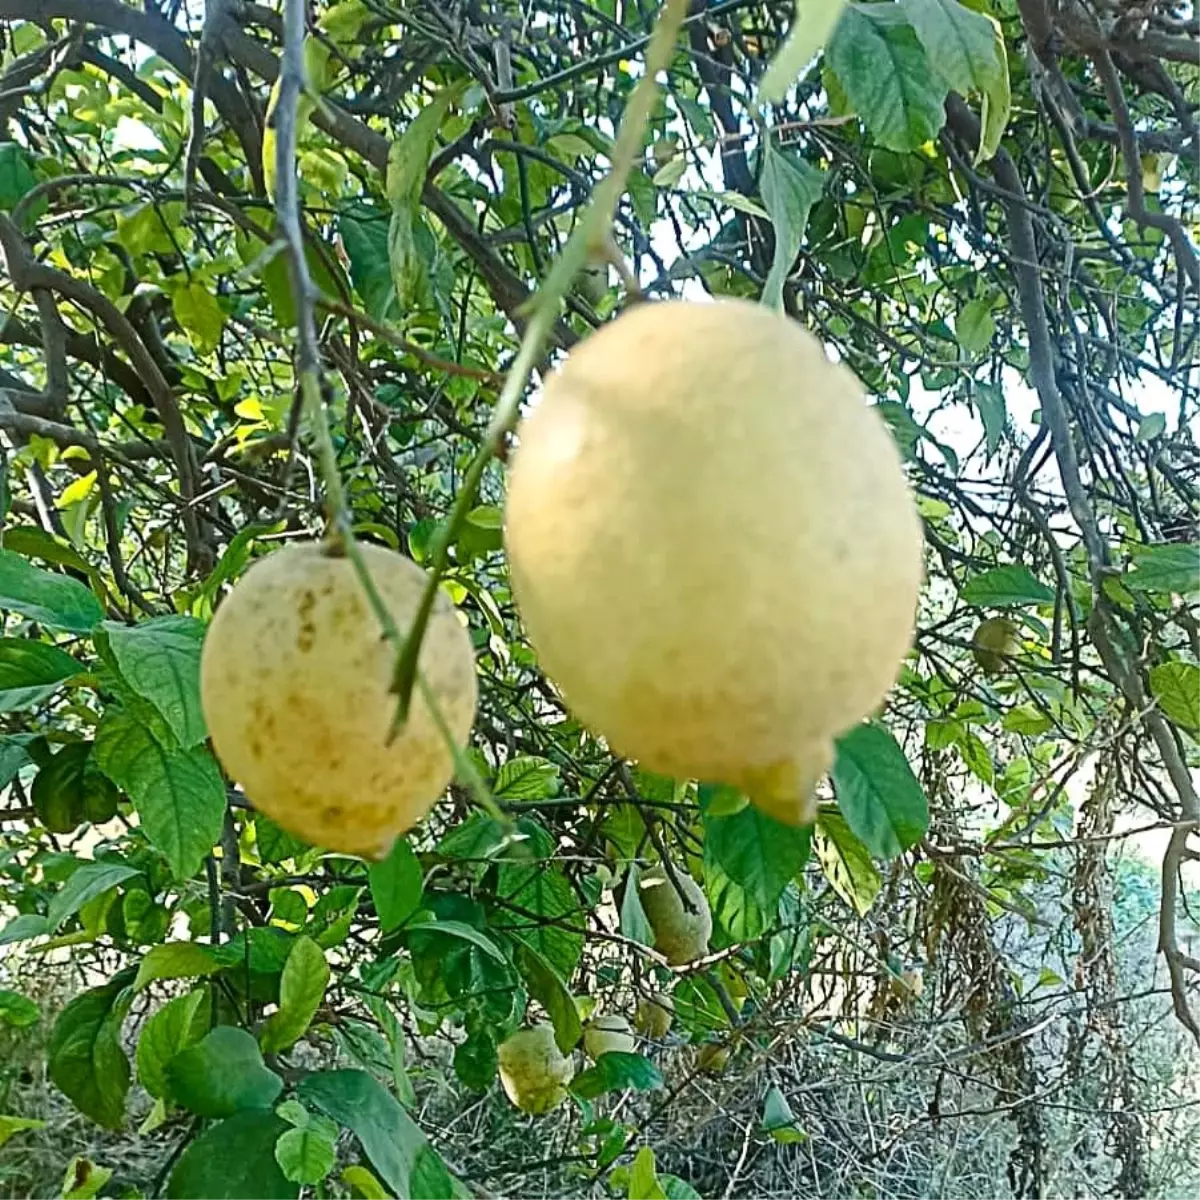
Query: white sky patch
x=132, y=134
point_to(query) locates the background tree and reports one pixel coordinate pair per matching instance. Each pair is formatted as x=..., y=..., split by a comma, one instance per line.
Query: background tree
x=981, y=207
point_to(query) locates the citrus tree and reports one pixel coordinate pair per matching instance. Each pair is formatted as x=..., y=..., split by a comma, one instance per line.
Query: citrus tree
x=287, y=273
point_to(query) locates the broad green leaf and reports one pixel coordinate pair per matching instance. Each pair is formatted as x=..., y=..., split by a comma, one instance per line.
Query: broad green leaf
x=31, y=672
x=960, y=43
x=180, y=1023
x=54, y=601
x=548, y=989
x=884, y=71
x=160, y=661
x=615, y=1071
x=13, y=757
x=1151, y=426
x=543, y=895
x=409, y=154
x=1006, y=587
x=846, y=862
x=526, y=779
x=364, y=233
x=84, y=1054
x=476, y=1060
x=877, y=791
x=396, y=885
x=24, y=927
x=87, y=882
x=199, y=314
x=758, y=853
x=16, y=176
x=234, y=1160
x=221, y=1074
x=1176, y=687
x=178, y=794
x=1165, y=568
x=675, y=1188
x=790, y=187
x=975, y=326
x=306, y=1155
x=176, y=960
x=460, y=930
x=732, y=200
x=810, y=29
x=18, y=1011
x=301, y=990
x=778, y=1119
x=392, y=1141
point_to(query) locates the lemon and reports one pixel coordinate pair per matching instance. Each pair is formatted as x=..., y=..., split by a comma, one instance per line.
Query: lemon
x=994, y=642
x=294, y=682
x=713, y=546
x=680, y=935
x=533, y=1071
x=654, y=1015
x=608, y=1035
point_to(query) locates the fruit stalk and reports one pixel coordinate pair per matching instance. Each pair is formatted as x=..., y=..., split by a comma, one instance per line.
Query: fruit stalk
x=592, y=231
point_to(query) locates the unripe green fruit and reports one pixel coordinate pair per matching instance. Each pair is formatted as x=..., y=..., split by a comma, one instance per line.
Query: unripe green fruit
x=654, y=1015
x=994, y=642
x=608, y=1035
x=679, y=935
x=533, y=1071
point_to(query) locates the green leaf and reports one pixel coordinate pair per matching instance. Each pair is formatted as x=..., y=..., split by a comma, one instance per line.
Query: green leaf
x=884, y=71
x=675, y=1188
x=1151, y=426
x=1005, y=587
x=83, y=1179
x=548, y=989
x=810, y=29
x=24, y=927
x=199, y=315
x=86, y=883
x=757, y=852
x=176, y=960
x=222, y=1074
x=394, y=1143
x=234, y=1160
x=11, y=1125
x=974, y=325
x=615, y=1071
x=544, y=895
x=54, y=601
x=84, y=1054
x=778, y=1119
x=643, y=1177
x=16, y=177
x=476, y=1060
x=18, y=1011
x=31, y=672
x=1176, y=687
x=461, y=930
x=409, y=154
x=526, y=779
x=846, y=862
x=993, y=412
x=997, y=101
x=877, y=791
x=160, y=661
x=1165, y=568
x=306, y=1155
x=180, y=1023
x=960, y=43
x=301, y=990
x=790, y=187
x=364, y=1183
x=364, y=233
x=396, y=885
x=13, y=757
x=178, y=794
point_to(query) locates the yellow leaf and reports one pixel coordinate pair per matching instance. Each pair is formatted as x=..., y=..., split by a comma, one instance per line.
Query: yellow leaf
x=81, y=489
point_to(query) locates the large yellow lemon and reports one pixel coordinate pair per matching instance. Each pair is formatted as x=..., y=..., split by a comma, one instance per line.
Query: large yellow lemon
x=294, y=682
x=713, y=546
x=533, y=1071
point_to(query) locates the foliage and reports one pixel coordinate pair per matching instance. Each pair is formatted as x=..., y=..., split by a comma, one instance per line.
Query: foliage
x=979, y=207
